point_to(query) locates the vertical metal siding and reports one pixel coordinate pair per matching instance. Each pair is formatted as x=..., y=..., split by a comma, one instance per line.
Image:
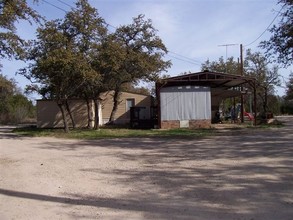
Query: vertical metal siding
x=185, y=103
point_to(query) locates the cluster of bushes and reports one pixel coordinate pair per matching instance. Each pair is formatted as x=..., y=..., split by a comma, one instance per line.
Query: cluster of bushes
x=287, y=107
x=14, y=106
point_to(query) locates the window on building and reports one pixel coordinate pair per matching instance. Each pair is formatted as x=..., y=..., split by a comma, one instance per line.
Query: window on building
x=129, y=103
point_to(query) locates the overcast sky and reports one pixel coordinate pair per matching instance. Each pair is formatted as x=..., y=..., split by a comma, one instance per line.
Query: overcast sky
x=192, y=30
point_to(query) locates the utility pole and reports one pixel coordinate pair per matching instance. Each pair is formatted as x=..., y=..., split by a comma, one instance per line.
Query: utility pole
x=226, y=66
x=226, y=45
x=241, y=73
x=241, y=60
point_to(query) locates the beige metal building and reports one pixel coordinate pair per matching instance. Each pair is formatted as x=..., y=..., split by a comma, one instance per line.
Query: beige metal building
x=49, y=114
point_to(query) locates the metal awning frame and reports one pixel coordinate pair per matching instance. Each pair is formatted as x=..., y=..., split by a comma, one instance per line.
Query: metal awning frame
x=214, y=80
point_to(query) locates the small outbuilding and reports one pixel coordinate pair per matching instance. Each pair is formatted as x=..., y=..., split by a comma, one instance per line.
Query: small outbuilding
x=49, y=114
x=191, y=100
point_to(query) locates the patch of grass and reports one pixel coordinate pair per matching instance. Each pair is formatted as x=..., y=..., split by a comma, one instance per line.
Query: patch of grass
x=119, y=132
x=266, y=126
x=274, y=124
x=37, y=132
x=113, y=133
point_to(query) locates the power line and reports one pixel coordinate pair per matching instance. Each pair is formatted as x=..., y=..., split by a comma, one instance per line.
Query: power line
x=192, y=60
x=187, y=61
x=64, y=3
x=266, y=28
x=110, y=25
x=55, y=6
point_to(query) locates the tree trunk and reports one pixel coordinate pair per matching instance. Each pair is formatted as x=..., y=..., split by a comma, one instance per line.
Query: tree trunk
x=70, y=114
x=116, y=98
x=61, y=106
x=265, y=103
x=97, y=116
x=89, y=114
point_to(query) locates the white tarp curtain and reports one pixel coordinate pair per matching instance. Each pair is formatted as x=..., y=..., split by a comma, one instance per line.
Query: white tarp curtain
x=185, y=103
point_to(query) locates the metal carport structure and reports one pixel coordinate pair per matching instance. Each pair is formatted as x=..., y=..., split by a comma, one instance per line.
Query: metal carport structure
x=222, y=86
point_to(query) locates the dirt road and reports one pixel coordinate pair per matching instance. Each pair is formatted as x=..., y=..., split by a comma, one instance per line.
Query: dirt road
x=239, y=177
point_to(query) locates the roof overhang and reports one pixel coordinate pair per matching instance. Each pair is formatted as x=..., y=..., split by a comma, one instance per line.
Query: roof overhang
x=223, y=94
x=222, y=81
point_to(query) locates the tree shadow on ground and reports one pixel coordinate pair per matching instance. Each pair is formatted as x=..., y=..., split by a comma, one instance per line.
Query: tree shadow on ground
x=157, y=209
x=238, y=176
x=6, y=132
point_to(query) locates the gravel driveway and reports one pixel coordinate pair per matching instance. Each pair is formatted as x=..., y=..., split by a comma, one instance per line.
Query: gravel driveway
x=241, y=175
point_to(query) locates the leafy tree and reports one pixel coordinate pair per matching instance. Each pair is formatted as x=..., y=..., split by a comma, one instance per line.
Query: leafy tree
x=256, y=65
x=20, y=108
x=274, y=104
x=280, y=46
x=230, y=66
x=133, y=88
x=289, y=90
x=63, y=56
x=58, y=69
x=88, y=31
x=136, y=54
x=11, y=45
x=7, y=88
x=14, y=106
x=287, y=105
x=52, y=68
